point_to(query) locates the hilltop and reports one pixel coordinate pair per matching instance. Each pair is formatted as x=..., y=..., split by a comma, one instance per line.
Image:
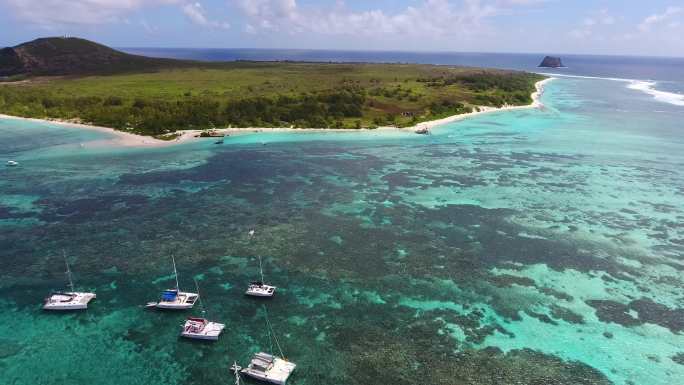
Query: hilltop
x=73, y=56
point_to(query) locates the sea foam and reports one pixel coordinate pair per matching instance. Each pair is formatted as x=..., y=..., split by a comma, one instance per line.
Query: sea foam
x=646, y=86
x=662, y=96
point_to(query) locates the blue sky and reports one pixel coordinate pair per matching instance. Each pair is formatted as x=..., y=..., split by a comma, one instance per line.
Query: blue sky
x=631, y=27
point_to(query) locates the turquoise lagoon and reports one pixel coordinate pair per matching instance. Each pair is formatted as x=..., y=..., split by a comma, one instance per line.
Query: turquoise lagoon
x=520, y=247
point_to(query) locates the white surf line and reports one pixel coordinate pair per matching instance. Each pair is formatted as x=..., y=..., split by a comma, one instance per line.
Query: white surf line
x=645, y=86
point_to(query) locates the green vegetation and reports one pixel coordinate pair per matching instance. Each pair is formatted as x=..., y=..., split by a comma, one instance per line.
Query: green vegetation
x=248, y=94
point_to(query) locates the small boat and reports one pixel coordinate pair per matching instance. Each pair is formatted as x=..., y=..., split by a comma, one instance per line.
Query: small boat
x=201, y=328
x=69, y=300
x=259, y=288
x=11, y=163
x=220, y=141
x=423, y=130
x=267, y=367
x=175, y=299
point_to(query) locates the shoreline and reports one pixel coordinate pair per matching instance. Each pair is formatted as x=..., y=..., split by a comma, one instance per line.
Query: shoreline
x=536, y=103
x=121, y=138
x=127, y=139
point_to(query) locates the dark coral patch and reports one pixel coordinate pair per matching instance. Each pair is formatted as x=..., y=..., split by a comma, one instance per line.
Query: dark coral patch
x=611, y=311
x=647, y=310
x=678, y=358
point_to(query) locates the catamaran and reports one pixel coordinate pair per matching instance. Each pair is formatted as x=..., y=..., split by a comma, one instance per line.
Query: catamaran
x=175, y=299
x=267, y=367
x=259, y=288
x=70, y=300
x=201, y=328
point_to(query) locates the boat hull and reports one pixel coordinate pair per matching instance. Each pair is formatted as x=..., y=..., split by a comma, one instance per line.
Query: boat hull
x=211, y=332
x=167, y=306
x=182, y=301
x=278, y=372
x=78, y=302
x=203, y=337
x=261, y=291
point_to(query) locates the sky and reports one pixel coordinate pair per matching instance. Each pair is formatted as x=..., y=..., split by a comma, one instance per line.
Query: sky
x=629, y=27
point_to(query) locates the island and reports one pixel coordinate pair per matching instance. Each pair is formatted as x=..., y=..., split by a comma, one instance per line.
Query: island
x=79, y=81
x=551, y=62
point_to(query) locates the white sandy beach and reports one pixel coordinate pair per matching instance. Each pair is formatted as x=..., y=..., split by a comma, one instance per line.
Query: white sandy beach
x=121, y=138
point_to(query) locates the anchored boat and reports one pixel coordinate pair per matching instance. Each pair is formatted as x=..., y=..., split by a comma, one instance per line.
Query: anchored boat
x=259, y=288
x=69, y=300
x=175, y=299
x=267, y=367
x=201, y=328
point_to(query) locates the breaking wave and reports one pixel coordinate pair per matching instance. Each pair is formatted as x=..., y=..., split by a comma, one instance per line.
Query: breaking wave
x=645, y=86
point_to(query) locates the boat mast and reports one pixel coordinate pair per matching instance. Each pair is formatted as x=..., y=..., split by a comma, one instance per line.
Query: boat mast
x=236, y=370
x=199, y=297
x=271, y=332
x=68, y=271
x=175, y=272
x=261, y=269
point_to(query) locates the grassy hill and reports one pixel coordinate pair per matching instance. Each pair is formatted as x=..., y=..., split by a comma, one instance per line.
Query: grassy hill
x=74, y=56
x=156, y=96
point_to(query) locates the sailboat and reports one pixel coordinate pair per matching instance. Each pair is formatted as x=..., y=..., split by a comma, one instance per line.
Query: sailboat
x=268, y=367
x=175, y=299
x=201, y=328
x=70, y=300
x=259, y=288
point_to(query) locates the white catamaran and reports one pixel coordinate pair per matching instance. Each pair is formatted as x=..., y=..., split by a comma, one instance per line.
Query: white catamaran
x=175, y=299
x=69, y=300
x=259, y=288
x=267, y=367
x=201, y=328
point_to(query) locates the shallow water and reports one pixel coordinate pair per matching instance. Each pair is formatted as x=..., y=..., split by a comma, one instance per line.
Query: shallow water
x=529, y=246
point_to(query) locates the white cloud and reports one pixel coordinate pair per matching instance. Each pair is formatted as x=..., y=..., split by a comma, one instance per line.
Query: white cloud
x=54, y=13
x=433, y=18
x=593, y=23
x=658, y=18
x=196, y=13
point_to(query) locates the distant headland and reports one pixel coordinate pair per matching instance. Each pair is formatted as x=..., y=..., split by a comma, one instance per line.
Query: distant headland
x=551, y=62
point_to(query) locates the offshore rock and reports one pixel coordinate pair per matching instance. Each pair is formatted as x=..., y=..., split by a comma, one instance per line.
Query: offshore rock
x=551, y=62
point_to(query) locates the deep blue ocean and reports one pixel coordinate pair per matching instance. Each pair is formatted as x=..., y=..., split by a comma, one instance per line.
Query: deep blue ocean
x=531, y=246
